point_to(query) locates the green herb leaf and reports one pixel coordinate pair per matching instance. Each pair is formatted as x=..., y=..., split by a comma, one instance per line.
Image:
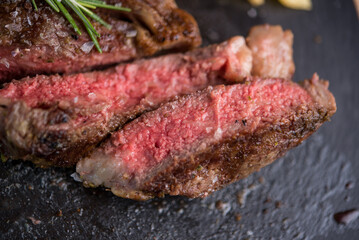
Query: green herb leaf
x=53, y=5
x=82, y=7
x=111, y=7
x=94, y=39
x=86, y=4
x=95, y=17
x=102, y=4
x=68, y=17
x=80, y=14
x=34, y=3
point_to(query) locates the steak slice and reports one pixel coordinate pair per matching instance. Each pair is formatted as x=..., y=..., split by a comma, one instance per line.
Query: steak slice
x=54, y=120
x=199, y=143
x=272, y=51
x=43, y=42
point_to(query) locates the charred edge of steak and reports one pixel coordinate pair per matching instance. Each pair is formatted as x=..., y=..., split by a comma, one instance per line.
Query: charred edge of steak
x=224, y=163
x=33, y=134
x=205, y=171
x=167, y=25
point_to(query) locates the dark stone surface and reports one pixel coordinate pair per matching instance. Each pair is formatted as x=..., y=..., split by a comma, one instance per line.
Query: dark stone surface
x=294, y=198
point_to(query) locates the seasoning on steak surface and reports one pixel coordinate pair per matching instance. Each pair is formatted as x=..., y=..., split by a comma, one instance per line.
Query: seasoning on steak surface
x=272, y=51
x=198, y=143
x=36, y=42
x=54, y=120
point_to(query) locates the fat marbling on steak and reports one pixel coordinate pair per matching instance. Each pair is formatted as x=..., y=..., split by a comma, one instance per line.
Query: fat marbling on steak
x=201, y=142
x=43, y=42
x=55, y=120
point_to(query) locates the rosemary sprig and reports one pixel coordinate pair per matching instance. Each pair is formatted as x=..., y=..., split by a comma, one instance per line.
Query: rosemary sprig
x=82, y=8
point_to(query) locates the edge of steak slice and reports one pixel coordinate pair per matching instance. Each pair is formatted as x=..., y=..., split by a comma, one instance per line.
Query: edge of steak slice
x=43, y=42
x=272, y=51
x=55, y=120
x=202, y=142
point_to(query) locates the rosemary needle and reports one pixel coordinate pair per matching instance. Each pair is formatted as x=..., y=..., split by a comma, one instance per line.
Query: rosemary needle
x=80, y=8
x=34, y=3
x=80, y=14
x=68, y=17
x=95, y=17
x=53, y=5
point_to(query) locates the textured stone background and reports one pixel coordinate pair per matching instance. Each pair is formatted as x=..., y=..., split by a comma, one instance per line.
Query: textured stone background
x=294, y=198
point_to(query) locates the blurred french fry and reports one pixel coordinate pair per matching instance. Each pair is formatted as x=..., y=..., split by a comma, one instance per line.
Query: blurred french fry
x=294, y=4
x=256, y=3
x=356, y=3
x=297, y=4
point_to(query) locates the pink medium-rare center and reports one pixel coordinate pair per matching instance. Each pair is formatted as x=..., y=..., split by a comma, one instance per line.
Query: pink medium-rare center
x=128, y=84
x=56, y=119
x=156, y=138
x=194, y=123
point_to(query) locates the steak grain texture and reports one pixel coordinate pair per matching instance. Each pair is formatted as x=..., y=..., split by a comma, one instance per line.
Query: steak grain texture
x=43, y=42
x=55, y=120
x=201, y=142
x=272, y=50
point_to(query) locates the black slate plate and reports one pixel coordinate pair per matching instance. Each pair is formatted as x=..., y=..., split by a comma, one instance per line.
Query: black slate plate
x=294, y=198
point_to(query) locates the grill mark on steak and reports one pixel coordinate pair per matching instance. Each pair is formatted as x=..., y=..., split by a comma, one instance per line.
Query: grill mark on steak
x=43, y=42
x=159, y=152
x=55, y=120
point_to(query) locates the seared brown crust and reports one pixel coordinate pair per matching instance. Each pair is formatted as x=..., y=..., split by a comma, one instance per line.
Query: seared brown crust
x=25, y=136
x=204, y=171
x=43, y=42
x=234, y=159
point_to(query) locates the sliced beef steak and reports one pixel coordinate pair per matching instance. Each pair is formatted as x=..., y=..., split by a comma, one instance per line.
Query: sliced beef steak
x=198, y=143
x=44, y=42
x=272, y=50
x=54, y=120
